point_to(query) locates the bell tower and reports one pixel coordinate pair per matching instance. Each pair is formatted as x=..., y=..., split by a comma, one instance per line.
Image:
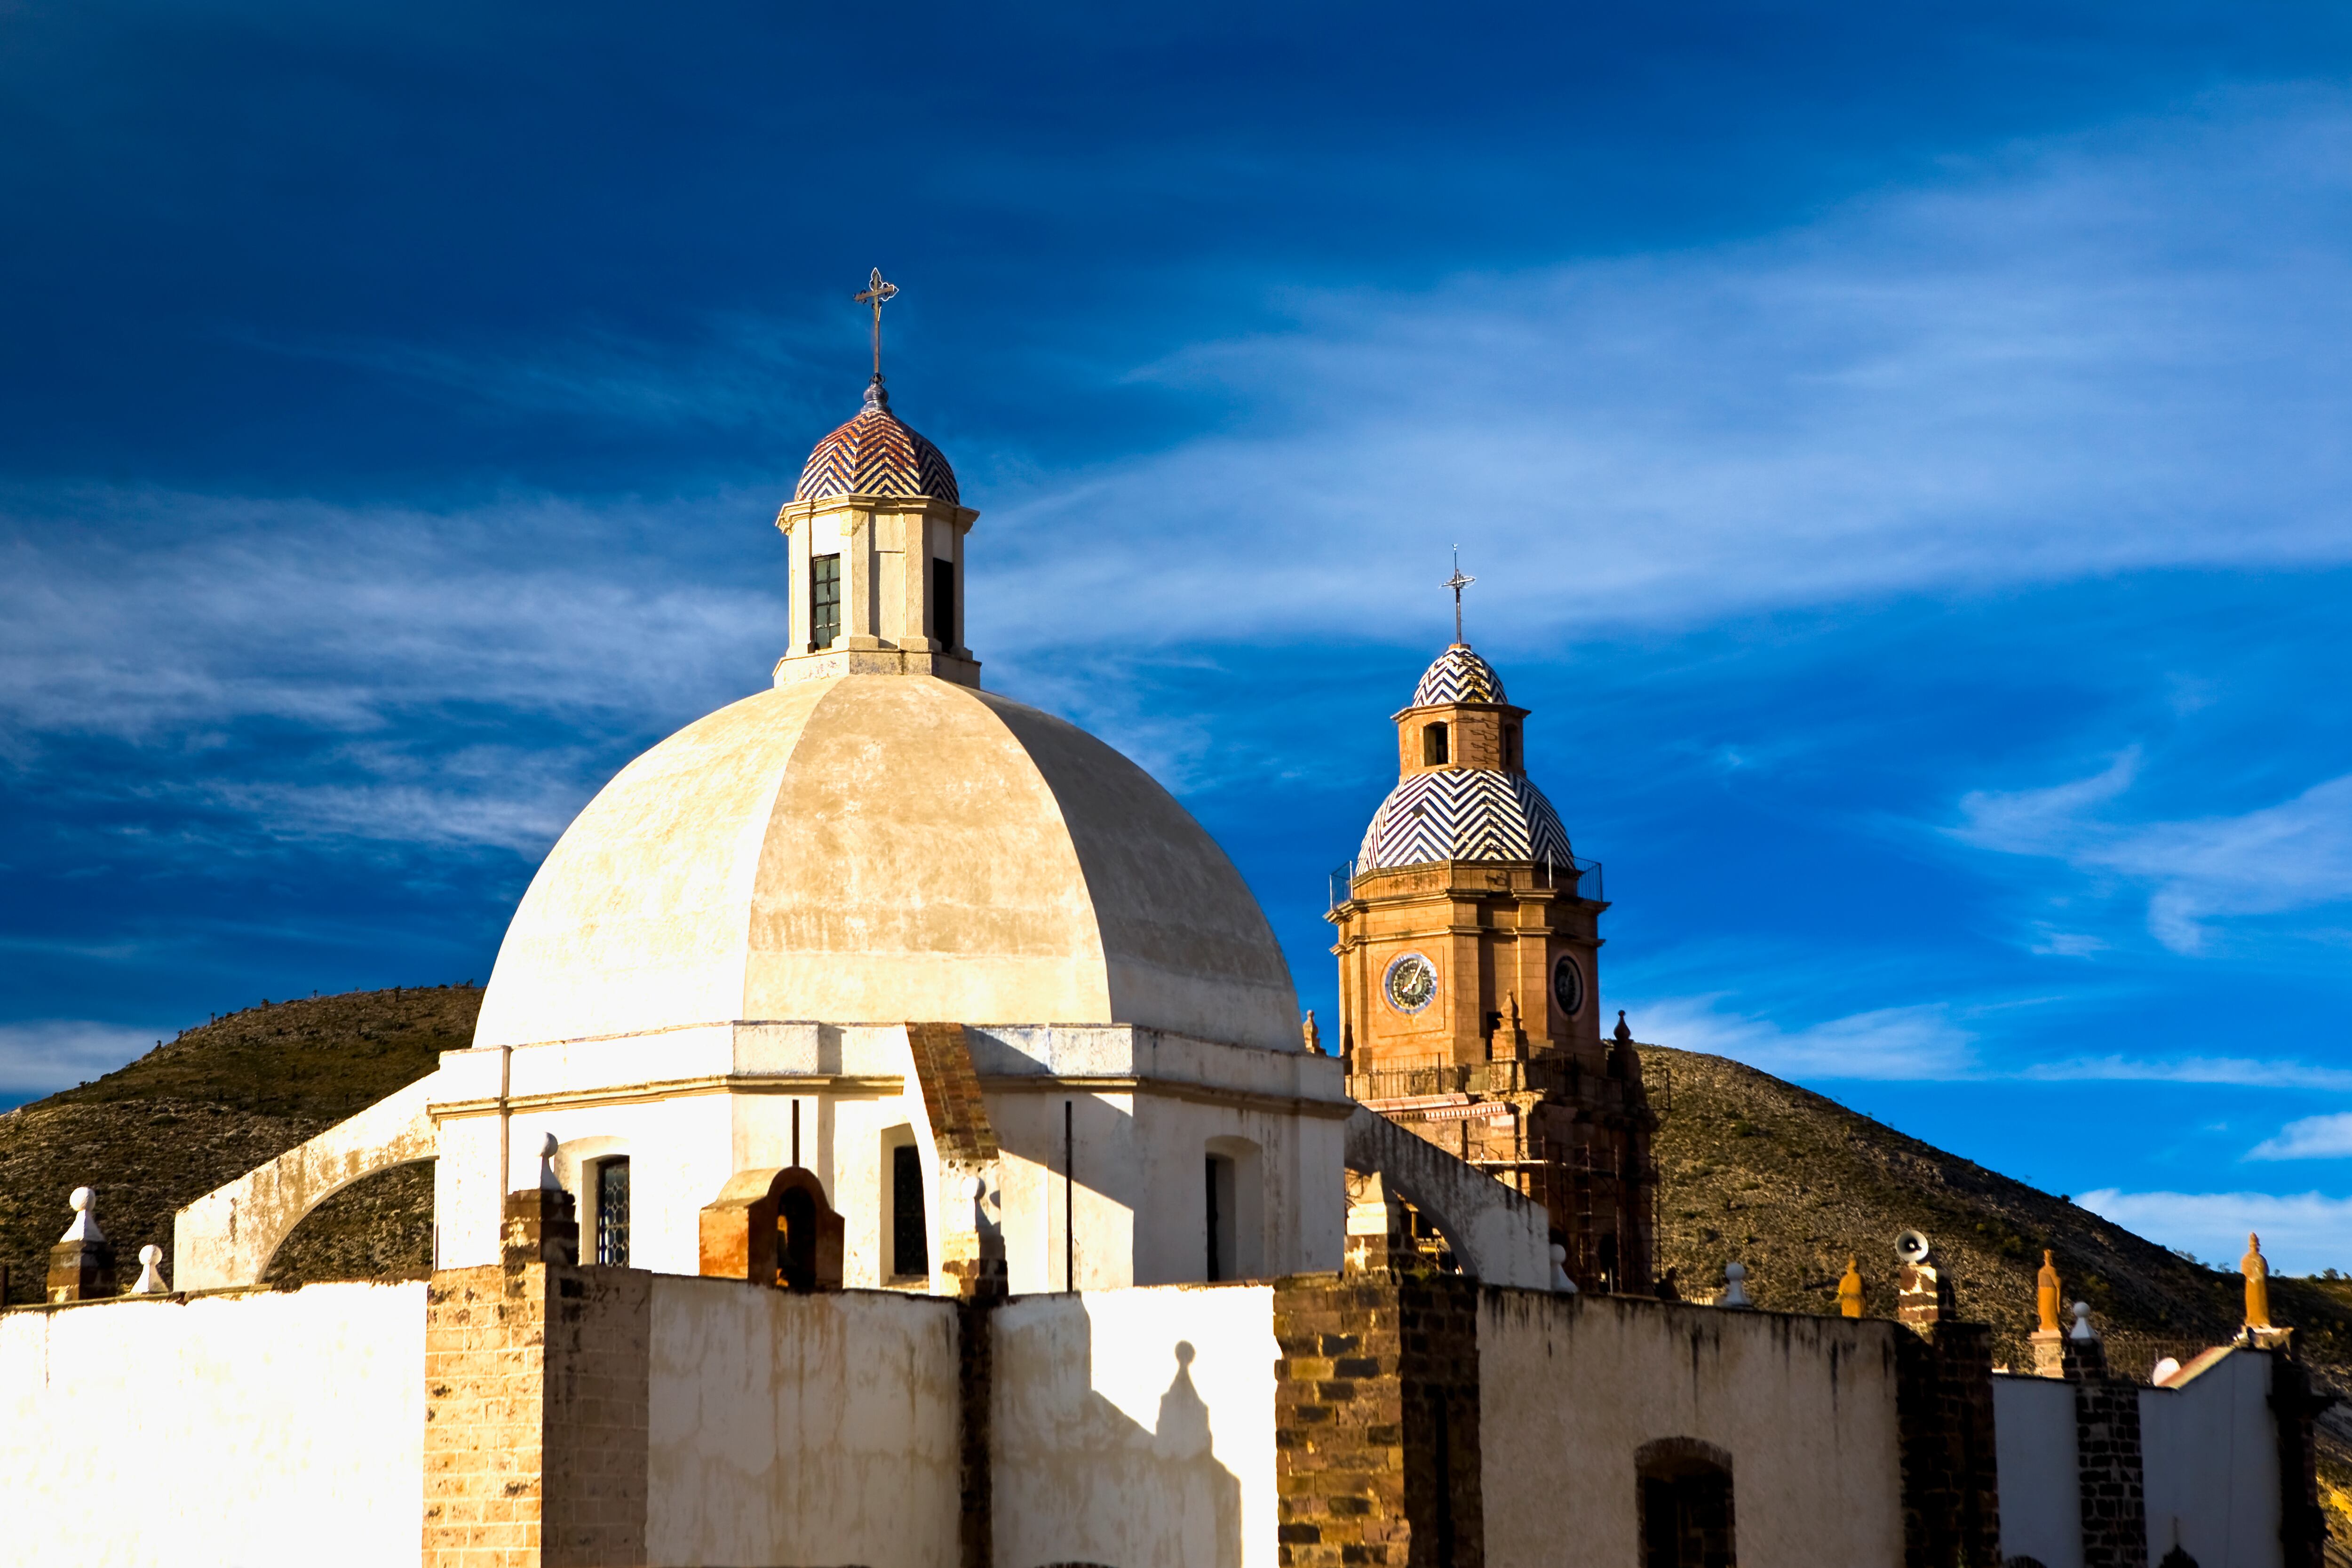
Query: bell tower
x=1469, y=996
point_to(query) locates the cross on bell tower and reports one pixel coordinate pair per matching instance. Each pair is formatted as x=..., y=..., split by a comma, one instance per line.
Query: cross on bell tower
x=1457, y=582
x=877, y=294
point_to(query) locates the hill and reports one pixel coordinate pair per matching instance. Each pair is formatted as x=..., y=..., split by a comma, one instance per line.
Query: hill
x=1789, y=1183
x=224, y=1097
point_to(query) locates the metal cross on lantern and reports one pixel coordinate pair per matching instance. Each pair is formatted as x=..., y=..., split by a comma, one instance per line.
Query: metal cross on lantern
x=1457, y=582
x=877, y=294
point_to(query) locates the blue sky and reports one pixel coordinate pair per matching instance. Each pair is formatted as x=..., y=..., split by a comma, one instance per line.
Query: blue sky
x=1902, y=452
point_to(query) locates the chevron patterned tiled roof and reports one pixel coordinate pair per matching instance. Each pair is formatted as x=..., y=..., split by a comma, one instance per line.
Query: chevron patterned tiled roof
x=877, y=454
x=1458, y=675
x=1463, y=813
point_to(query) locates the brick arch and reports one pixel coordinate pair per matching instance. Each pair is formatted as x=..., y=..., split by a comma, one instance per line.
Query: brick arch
x=228, y=1236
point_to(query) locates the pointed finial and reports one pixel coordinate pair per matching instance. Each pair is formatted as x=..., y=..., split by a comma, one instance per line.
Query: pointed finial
x=1457, y=582
x=1849, y=1288
x=2046, y=1295
x=1313, y=1034
x=1625, y=1032
x=877, y=294
x=547, y=1182
x=84, y=1203
x=2257, y=1270
x=150, y=1278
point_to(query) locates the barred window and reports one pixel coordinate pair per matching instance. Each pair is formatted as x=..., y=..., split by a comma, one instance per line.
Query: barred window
x=824, y=600
x=613, y=1213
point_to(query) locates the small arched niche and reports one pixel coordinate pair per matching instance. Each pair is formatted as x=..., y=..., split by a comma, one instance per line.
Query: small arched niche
x=1683, y=1492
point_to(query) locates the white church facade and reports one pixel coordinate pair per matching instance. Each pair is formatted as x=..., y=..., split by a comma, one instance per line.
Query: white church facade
x=890, y=1138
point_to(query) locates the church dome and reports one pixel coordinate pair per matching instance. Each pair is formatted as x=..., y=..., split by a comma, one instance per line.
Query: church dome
x=1463, y=813
x=877, y=454
x=883, y=848
x=1458, y=675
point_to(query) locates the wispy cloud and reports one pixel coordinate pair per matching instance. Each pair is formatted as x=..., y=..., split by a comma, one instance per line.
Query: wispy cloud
x=2105, y=353
x=2311, y=1138
x=42, y=1056
x=2296, y=855
x=2242, y=1070
x=1896, y=1043
x=2302, y=1234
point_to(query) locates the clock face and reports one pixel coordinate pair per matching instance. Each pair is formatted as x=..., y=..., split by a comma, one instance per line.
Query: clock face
x=1410, y=983
x=1567, y=986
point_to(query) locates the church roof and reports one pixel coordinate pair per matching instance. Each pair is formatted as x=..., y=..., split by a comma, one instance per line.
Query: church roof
x=875, y=847
x=877, y=454
x=1458, y=675
x=1463, y=813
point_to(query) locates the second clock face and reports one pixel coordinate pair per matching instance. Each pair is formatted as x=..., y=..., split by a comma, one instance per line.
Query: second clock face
x=1410, y=983
x=1568, y=984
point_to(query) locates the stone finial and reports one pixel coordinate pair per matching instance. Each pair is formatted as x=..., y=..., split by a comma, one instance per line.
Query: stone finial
x=84, y=1203
x=1561, y=1282
x=1624, y=1033
x=81, y=1265
x=1314, y=1036
x=1850, y=1289
x=151, y=1280
x=1734, y=1287
x=2082, y=1330
x=2257, y=1271
x=2046, y=1293
x=547, y=1182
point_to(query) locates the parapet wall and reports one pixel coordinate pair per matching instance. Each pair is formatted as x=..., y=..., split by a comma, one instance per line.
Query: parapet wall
x=1571, y=1388
x=1136, y=1427
x=225, y=1430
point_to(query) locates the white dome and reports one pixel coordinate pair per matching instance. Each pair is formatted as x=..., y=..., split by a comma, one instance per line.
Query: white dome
x=881, y=847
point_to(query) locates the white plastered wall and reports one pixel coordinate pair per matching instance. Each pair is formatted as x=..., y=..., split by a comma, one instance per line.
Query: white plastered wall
x=2033, y=1445
x=788, y=1428
x=227, y=1430
x=1136, y=1427
x=1570, y=1387
x=2209, y=1455
x=692, y=1107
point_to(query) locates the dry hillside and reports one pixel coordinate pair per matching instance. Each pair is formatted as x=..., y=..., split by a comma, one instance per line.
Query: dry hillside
x=223, y=1098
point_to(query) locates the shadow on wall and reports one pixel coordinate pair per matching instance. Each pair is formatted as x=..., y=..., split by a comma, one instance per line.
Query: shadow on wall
x=1098, y=1486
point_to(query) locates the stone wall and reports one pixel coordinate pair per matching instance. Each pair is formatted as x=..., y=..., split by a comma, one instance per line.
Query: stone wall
x=1949, y=1455
x=223, y=1430
x=535, y=1417
x=1377, y=1409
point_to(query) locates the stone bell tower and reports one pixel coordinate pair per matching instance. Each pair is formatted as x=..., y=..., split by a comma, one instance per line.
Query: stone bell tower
x=1468, y=948
x=877, y=530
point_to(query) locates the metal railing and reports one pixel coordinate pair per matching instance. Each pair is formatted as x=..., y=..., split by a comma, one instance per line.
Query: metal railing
x=1579, y=878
